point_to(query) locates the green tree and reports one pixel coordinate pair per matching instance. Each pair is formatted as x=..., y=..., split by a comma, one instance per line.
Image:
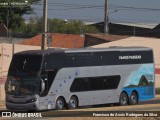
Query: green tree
x=32, y=28
x=56, y=26
x=12, y=11
x=70, y=27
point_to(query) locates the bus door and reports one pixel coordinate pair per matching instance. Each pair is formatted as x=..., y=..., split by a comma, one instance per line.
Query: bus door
x=47, y=78
x=43, y=88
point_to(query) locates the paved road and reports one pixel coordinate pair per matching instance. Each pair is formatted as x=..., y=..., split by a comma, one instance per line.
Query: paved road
x=153, y=105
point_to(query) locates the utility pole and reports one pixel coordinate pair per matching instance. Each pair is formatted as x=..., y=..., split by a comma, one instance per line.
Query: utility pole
x=134, y=31
x=8, y=19
x=106, y=18
x=45, y=16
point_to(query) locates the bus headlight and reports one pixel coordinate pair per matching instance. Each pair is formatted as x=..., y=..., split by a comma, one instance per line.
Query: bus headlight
x=8, y=100
x=32, y=100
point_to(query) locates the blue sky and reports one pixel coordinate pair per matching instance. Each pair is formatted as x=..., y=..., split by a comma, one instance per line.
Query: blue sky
x=127, y=10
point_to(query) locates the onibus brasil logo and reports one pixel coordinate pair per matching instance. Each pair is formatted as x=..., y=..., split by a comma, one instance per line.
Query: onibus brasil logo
x=20, y=115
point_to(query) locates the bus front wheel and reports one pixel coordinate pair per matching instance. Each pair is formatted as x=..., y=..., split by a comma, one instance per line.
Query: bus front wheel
x=133, y=99
x=73, y=103
x=60, y=103
x=123, y=99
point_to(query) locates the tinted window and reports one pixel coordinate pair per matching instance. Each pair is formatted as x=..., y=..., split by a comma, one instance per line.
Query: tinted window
x=28, y=64
x=111, y=82
x=95, y=83
x=80, y=84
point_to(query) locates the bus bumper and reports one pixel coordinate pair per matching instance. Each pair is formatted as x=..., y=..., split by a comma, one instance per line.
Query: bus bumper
x=28, y=106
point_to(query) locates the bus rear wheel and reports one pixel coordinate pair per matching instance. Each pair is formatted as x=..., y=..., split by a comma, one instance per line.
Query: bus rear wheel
x=123, y=99
x=60, y=103
x=73, y=103
x=133, y=99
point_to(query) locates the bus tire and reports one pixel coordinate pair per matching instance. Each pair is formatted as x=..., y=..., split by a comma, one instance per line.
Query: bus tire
x=123, y=99
x=73, y=103
x=133, y=99
x=60, y=103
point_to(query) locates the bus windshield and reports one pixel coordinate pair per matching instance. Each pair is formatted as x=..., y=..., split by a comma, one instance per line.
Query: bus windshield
x=23, y=74
x=23, y=65
x=21, y=85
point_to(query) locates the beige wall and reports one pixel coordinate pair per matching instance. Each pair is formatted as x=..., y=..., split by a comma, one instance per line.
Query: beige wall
x=139, y=41
x=6, y=51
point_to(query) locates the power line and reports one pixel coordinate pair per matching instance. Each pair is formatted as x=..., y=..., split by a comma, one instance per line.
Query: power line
x=112, y=6
x=134, y=8
x=51, y=3
x=73, y=8
x=68, y=6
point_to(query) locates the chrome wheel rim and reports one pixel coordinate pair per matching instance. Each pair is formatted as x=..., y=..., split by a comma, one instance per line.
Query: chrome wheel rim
x=59, y=105
x=133, y=99
x=123, y=99
x=73, y=103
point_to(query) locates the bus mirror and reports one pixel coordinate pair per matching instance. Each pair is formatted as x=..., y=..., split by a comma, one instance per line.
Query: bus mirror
x=42, y=86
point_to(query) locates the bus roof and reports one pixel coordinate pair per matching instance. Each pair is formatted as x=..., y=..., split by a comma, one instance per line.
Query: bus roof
x=81, y=50
x=112, y=48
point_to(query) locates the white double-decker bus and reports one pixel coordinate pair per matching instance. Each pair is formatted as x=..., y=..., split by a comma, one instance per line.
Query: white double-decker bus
x=68, y=78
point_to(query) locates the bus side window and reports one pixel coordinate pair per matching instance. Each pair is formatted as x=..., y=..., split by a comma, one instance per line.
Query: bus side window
x=96, y=83
x=51, y=76
x=86, y=84
x=76, y=85
x=111, y=82
x=80, y=84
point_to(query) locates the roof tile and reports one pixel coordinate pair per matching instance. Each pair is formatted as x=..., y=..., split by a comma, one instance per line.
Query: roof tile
x=58, y=40
x=108, y=37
